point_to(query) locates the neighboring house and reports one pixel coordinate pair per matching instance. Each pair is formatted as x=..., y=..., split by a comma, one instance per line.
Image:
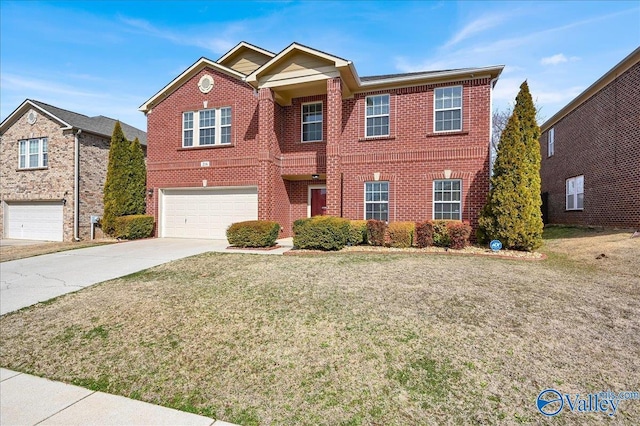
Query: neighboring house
x=53, y=168
x=591, y=153
x=258, y=135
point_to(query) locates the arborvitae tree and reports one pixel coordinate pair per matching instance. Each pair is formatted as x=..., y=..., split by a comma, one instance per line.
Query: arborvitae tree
x=124, y=188
x=137, y=180
x=512, y=213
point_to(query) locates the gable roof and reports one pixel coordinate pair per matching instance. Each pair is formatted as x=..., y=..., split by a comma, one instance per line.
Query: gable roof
x=244, y=45
x=623, y=66
x=99, y=125
x=311, y=68
x=195, y=68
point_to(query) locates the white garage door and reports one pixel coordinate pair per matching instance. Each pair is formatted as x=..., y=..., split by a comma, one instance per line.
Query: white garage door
x=206, y=213
x=34, y=221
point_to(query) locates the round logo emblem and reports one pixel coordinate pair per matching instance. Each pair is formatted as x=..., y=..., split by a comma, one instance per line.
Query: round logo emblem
x=495, y=245
x=550, y=402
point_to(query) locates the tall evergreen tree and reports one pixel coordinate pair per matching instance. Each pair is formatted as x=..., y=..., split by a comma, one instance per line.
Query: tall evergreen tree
x=137, y=180
x=124, y=188
x=512, y=213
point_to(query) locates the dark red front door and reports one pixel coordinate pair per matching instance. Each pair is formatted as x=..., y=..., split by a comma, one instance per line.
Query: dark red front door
x=318, y=201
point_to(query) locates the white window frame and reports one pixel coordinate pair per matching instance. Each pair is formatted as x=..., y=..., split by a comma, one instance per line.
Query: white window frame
x=378, y=202
x=42, y=154
x=574, y=193
x=303, y=123
x=551, y=142
x=187, y=129
x=436, y=110
x=452, y=201
x=217, y=127
x=367, y=116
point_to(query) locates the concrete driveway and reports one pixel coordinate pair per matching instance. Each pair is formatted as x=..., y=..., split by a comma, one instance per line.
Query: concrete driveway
x=28, y=281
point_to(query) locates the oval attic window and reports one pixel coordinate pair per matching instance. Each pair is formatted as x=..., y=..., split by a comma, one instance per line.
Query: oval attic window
x=32, y=117
x=205, y=84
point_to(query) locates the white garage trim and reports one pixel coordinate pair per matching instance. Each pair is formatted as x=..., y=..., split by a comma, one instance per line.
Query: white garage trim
x=34, y=220
x=205, y=212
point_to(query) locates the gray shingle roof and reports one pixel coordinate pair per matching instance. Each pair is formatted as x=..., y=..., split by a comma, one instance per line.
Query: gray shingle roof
x=409, y=74
x=100, y=125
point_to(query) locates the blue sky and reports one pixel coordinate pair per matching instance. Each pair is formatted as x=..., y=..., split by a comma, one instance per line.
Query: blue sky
x=107, y=58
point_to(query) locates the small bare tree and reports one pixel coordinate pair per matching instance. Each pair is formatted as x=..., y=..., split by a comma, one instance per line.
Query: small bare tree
x=499, y=122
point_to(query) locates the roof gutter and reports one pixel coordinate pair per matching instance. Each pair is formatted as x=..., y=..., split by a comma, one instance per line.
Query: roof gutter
x=76, y=186
x=491, y=86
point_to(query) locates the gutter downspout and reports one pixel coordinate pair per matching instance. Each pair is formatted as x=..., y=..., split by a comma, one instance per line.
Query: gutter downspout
x=492, y=84
x=76, y=187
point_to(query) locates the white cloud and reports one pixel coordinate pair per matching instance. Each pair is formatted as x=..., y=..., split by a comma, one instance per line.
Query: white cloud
x=217, y=45
x=481, y=24
x=554, y=60
x=16, y=88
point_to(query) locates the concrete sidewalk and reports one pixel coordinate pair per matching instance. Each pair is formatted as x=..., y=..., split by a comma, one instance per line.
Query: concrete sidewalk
x=29, y=400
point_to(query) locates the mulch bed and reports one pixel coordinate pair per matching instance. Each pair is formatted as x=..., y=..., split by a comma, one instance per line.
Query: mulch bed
x=467, y=251
x=254, y=248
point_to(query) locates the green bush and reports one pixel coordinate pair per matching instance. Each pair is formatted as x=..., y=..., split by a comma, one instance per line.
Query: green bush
x=253, y=233
x=134, y=227
x=376, y=230
x=357, y=232
x=424, y=234
x=400, y=234
x=458, y=234
x=441, y=233
x=321, y=233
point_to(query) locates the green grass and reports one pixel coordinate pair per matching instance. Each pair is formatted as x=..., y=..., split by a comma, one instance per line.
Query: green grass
x=347, y=339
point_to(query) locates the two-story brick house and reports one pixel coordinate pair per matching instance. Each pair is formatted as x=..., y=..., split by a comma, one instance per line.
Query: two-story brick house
x=53, y=165
x=591, y=153
x=259, y=135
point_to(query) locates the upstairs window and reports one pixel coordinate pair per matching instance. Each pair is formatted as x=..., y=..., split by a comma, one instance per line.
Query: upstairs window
x=33, y=153
x=376, y=201
x=448, y=109
x=447, y=199
x=312, y=122
x=377, y=115
x=551, y=136
x=206, y=127
x=575, y=193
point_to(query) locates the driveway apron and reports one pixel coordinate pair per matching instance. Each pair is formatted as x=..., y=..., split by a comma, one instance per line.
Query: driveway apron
x=28, y=281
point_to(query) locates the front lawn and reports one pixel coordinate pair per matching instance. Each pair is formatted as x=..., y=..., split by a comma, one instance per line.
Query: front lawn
x=347, y=338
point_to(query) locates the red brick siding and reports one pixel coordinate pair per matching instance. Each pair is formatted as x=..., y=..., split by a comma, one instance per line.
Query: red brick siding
x=600, y=139
x=267, y=145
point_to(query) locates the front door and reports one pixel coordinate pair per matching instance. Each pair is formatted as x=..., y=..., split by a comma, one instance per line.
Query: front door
x=318, y=201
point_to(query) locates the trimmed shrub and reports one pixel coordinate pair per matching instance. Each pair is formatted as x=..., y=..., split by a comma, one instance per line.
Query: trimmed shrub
x=376, y=230
x=441, y=233
x=357, y=232
x=253, y=233
x=321, y=233
x=400, y=234
x=459, y=234
x=134, y=227
x=424, y=234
